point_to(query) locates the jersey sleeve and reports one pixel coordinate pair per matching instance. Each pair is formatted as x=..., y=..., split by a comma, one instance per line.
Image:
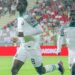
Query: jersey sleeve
x=31, y=21
x=37, y=29
x=20, y=23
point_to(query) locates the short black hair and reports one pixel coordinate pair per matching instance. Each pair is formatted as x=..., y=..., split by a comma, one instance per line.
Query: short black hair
x=21, y=7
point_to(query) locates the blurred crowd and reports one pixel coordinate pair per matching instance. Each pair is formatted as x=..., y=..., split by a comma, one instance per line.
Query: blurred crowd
x=7, y=6
x=7, y=34
x=49, y=13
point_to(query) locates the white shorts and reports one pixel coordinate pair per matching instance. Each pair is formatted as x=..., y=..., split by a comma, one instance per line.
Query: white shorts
x=26, y=52
x=70, y=37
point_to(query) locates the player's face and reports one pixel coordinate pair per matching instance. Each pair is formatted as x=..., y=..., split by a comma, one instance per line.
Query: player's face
x=21, y=7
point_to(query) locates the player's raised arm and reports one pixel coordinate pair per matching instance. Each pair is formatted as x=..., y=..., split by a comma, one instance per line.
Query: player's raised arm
x=33, y=24
x=21, y=8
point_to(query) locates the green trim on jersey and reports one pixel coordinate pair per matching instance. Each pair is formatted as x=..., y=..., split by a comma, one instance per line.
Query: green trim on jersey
x=72, y=24
x=28, y=38
x=62, y=34
x=35, y=25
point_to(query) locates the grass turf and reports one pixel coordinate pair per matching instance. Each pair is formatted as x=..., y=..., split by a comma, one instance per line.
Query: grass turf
x=28, y=69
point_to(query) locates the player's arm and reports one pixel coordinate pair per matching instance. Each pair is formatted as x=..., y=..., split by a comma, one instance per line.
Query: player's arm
x=20, y=29
x=37, y=29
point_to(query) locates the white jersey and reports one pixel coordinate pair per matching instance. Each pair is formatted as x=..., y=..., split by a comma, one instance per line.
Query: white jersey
x=31, y=48
x=31, y=29
x=70, y=37
x=28, y=25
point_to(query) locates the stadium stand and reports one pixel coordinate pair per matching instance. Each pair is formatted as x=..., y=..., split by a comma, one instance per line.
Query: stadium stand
x=53, y=12
x=50, y=13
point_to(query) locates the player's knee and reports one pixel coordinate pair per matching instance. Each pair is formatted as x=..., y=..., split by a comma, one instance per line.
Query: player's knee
x=41, y=70
x=14, y=70
x=73, y=69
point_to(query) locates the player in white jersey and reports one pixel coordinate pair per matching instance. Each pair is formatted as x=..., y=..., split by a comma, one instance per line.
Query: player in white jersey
x=70, y=38
x=60, y=38
x=29, y=27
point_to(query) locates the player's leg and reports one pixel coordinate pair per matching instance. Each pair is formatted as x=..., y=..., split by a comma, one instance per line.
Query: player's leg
x=49, y=68
x=73, y=69
x=16, y=66
x=59, y=43
x=70, y=58
x=73, y=64
x=37, y=62
x=70, y=39
x=18, y=60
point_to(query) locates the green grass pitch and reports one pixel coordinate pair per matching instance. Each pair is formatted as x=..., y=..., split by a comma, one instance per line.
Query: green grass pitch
x=28, y=69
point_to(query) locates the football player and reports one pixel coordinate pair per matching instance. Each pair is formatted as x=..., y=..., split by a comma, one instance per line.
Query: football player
x=70, y=39
x=60, y=39
x=69, y=33
x=29, y=36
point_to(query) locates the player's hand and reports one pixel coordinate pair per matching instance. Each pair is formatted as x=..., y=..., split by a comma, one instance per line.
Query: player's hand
x=59, y=54
x=14, y=39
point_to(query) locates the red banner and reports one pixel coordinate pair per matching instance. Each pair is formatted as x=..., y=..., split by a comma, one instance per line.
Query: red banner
x=46, y=51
